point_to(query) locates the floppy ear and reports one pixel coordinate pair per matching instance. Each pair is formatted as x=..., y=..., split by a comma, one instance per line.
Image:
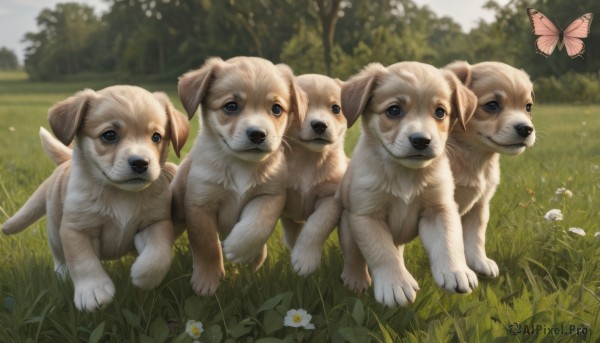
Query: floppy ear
x=462, y=70
x=66, y=116
x=193, y=85
x=339, y=82
x=298, y=98
x=464, y=101
x=179, y=127
x=357, y=91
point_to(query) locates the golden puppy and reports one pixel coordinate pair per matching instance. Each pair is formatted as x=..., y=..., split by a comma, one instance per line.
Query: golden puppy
x=113, y=195
x=399, y=184
x=501, y=125
x=233, y=180
x=316, y=164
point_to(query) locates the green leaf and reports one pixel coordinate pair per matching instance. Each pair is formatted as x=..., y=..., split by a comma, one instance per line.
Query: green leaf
x=193, y=307
x=132, y=319
x=240, y=329
x=212, y=334
x=358, y=312
x=355, y=334
x=269, y=340
x=272, y=321
x=146, y=339
x=96, y=335
x=159, y=330
x=271, y=303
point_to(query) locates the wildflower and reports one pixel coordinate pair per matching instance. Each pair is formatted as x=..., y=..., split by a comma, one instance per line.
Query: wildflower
x=553, y=215
x=194, y=328
x=597, y=235
x=563, y=191
x=298, y=318
x=577, y=231
x=11, y=129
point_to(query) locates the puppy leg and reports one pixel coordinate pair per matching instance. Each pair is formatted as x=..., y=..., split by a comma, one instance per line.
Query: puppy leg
x=474, y=225
x=256, y=224
x=355, y=274
x=155, y=248
x=93, y=287
x=53, y=233
x=393, y=284
x=260, y=259
x=441, y=237
x=203, y=235
x=291, y=230
x=306, y=255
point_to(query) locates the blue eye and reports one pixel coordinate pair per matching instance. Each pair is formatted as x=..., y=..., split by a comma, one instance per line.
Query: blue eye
x=393, y=111
x=109, y=136
x=276, y=110
x=440, y=113
x=335, y=109
x=492, y=107
x=231, y=107
x=156, y=137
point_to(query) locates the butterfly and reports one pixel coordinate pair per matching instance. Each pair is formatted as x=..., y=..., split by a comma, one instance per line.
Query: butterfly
x=550, y=37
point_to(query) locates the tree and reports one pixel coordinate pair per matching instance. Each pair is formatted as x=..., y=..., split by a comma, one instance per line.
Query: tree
x=8, y=59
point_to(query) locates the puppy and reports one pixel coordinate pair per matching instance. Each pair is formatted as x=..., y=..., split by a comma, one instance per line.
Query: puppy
x=112, y=196
x=399, y=184
x=233, y=180
x=501, y=125
x=316, y=164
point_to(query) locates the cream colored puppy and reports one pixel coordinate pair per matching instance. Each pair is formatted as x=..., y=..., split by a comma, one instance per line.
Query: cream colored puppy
x=316, y=164
x=399, y=184
x=113, y=195
x=233, y=180
x=501, y=125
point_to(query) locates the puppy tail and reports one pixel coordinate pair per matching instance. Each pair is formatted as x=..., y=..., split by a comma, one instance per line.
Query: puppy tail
x=34, y=209
x=58, y=152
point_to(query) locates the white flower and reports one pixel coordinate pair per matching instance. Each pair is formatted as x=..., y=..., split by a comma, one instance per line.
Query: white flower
x=194, y=328
x=568, y=194
x=597, y=235
x=11, y=129
x=564, y=191
x=553, y=215
x=298, y=318
x=577, y=231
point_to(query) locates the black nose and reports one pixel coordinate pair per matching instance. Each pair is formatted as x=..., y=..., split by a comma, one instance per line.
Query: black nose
x=138, y=164
x=318, y=126
x=523, y=130
x=256, y=136
x=419, y=142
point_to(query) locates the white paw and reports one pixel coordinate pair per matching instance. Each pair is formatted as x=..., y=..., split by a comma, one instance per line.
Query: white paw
x=305, y=261
x=357, y=281
x=148, y=271
x=483, y=265
x=393, y=287
x=94, y=293
x=241, y=249
x=461, y=280
x=205, y=281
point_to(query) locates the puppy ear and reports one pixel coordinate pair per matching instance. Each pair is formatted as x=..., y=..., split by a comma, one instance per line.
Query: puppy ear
x=357, y=91
x=339, y=82
x=533, y=96
x=193, y=85
x=179, y=128
x=464, y=101
x=462, y=70
x=298, y=98
x=66, y=116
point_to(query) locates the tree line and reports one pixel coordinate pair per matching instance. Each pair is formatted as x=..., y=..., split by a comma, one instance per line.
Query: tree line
x=162, y=39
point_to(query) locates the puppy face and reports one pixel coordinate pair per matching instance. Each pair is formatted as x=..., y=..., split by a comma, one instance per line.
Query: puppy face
x=324, y=123
x=502, y=122
x=408, y=108
x=247, y=103
x=122, y=132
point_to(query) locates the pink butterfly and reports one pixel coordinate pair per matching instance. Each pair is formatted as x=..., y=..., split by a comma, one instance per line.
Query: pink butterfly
x=550, y=36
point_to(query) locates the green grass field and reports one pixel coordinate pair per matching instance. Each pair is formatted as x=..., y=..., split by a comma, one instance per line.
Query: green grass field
x=549, y=282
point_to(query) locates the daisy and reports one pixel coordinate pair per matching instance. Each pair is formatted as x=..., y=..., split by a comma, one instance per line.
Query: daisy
x=194, y=328
x=577, y=231
x=597, y=235
x=553, y=215
x=298, y=318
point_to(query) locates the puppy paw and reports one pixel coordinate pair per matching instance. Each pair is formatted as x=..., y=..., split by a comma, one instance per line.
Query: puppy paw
x=356, y=281
x=393, y=287
x=205, y=281
x=240, y=249
x=462, y=280
x=483, y=265
x=147, y=271
x=305, y=261
x=94, y=294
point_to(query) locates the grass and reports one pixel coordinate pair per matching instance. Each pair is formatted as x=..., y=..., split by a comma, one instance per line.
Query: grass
x=549, y=282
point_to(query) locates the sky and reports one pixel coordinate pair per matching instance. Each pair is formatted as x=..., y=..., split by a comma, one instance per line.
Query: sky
x=17, y=17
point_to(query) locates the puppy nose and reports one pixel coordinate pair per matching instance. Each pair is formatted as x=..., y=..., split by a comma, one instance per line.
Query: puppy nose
x=419, y=141
x=138, y=164
x=318, y=126
x=523, y=130
x=256, y=136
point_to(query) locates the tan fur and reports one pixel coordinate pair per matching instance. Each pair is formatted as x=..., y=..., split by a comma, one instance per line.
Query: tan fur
x=474, y=151
x=316, y=164
x=97, y=205
x=229, y=185
x=394, y=191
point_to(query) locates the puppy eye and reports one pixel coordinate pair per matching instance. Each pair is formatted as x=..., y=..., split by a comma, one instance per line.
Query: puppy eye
x=335, y=109
x=156, y=137
x=492, y=107
x=277, y=110
x=231, y=106
x=528, y=107
x=440, y=113
x=109, y=136
x=393, y=111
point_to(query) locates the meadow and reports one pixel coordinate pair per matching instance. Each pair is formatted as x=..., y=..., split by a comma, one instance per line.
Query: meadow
x=548, y=289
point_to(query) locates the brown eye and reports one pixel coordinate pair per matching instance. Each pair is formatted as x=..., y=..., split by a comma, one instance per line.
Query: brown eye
x=492, y=107
x=109, y=136
x=440, y=113
x=276, y=110
x=335, y=109
x=394, y=111
x=231, y=107
x=528, y=107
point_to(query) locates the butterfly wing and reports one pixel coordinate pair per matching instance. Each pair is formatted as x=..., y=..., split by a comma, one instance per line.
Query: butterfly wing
x=579, y=28
x=543, y=27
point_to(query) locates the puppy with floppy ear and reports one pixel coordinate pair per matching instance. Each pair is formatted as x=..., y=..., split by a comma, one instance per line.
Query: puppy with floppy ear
x=399, y=184
x=110, y=194
x=501, y=124
x=316, y=164
x=233, y=181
